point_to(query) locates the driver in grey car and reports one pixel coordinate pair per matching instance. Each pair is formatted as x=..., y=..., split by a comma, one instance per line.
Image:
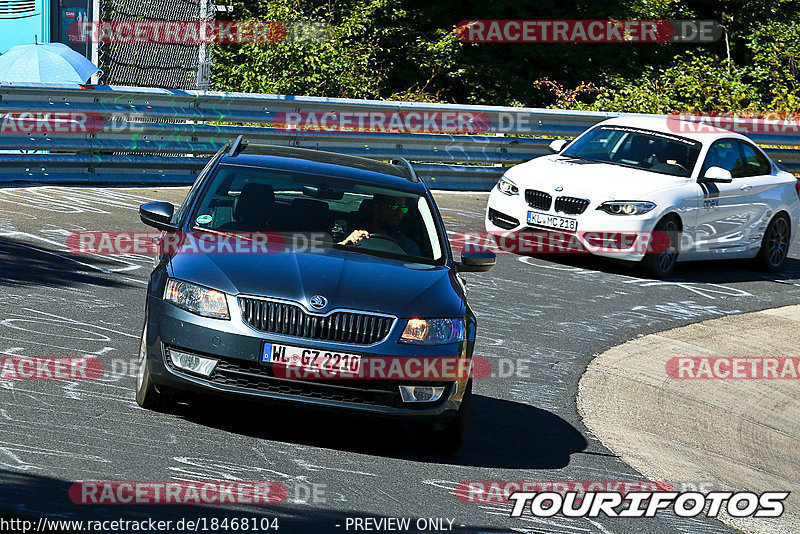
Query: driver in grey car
x=387, y=215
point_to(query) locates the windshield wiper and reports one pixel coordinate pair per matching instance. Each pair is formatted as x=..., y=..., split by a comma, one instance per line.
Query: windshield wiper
x=629, y=166
x=383, y=254
x=574, y=156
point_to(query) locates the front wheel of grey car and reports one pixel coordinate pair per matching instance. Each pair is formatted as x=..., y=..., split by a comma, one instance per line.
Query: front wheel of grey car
x=147, y=396
x=446, y=440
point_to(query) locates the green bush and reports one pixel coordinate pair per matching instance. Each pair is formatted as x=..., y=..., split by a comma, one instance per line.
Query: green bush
x=408, y=49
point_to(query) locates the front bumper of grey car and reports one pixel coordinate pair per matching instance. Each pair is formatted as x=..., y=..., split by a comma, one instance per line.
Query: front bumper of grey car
x=237, y=347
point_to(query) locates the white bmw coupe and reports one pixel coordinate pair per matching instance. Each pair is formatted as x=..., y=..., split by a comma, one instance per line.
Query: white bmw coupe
x=713, y=194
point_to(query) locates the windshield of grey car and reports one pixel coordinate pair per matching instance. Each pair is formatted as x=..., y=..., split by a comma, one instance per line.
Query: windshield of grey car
x=357, y=216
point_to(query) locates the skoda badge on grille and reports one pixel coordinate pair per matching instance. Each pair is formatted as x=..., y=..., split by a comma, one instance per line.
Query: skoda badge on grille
x=318, y=302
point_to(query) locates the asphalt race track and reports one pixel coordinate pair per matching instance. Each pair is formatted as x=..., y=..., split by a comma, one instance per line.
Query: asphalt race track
x=547, y=316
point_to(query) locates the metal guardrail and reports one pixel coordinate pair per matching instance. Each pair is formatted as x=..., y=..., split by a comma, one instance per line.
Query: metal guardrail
x=163, y=136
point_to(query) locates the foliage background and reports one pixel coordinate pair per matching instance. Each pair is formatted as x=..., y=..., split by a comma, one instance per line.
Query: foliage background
x=407, y=49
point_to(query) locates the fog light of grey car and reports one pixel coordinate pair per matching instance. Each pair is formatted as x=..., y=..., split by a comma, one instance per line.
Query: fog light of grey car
x=192, y=362
x=421, y=393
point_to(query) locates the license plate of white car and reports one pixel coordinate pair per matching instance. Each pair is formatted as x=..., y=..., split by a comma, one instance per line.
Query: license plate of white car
x=552, y=221
x=311, y=359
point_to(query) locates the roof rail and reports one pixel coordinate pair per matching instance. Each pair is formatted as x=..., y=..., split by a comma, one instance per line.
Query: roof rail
x=403, y=162
x=398, y=166
x=237, y=146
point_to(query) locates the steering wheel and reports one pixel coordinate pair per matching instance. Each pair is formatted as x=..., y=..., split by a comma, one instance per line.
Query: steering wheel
x=381, y=242
x=387, y=237
x=681, y=167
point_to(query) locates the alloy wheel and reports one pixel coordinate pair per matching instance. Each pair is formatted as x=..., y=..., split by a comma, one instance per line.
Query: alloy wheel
x=778, y=241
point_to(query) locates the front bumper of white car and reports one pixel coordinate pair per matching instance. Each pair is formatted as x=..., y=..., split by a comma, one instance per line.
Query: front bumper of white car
x=624, y=237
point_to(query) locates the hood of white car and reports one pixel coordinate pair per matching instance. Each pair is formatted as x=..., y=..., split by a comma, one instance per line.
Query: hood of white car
x=590, y=180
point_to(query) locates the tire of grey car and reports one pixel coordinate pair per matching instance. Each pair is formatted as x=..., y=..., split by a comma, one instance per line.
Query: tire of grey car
x=147, y=396
x=446, y=440
x=774, y=245
x=661, y=262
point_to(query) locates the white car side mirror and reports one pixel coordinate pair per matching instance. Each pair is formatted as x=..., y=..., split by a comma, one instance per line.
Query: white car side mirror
x=558, y=145
x=718, y=175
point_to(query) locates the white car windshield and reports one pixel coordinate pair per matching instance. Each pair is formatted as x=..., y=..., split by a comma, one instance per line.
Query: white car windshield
x=634, y=147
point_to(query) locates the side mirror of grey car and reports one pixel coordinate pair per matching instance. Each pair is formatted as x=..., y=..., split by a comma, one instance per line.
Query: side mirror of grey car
x=476, y=260
x=557, y=145
x=158, y=215
x=717, y=175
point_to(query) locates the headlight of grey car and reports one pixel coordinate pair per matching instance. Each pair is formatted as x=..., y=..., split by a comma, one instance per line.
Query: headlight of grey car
x=433, y=331
x=197, y=299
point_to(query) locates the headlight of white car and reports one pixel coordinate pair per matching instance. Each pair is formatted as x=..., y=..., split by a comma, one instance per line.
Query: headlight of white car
x=507, y=187
x=626, y=207
x=197, y=299
x=433, y=331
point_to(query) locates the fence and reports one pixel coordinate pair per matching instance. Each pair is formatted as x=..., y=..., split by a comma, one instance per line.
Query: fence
x=163, y=136
x=175, y=65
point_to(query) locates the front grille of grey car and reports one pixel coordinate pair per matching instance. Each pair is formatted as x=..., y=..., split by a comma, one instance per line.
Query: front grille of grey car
x=571, y=205
x=538, y=199
x=289, y=319
x=257, y=377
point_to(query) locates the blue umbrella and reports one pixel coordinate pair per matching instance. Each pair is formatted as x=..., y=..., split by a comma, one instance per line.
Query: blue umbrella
x=47, y=62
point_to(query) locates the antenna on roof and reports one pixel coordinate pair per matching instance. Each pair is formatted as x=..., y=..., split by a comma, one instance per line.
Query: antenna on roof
x=403, y=162
x=237, y=146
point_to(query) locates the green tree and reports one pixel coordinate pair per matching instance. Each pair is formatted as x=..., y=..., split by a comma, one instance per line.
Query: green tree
x=342, y=65
x=408, y=49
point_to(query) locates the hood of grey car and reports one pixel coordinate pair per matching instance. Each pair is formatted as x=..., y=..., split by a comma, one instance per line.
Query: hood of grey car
x=346, y=279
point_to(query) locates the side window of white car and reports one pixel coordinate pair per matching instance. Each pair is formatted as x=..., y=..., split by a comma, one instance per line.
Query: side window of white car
x=725, y=154
x=755, y=164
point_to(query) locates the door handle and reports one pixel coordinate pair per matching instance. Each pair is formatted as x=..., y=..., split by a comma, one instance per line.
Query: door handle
x=746, y=187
